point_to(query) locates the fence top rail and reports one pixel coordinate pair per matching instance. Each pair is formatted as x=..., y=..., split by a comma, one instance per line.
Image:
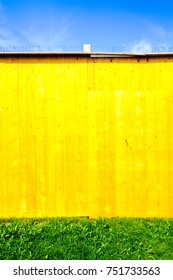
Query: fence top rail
x=87, y=54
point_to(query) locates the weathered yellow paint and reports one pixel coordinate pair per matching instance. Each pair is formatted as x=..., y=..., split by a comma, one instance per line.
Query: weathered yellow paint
x=82, y=136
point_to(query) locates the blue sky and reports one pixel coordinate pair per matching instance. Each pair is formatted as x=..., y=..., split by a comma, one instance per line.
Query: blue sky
x=120, y=25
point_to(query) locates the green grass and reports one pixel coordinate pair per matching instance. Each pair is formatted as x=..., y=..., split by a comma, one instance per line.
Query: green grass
x=85, y=239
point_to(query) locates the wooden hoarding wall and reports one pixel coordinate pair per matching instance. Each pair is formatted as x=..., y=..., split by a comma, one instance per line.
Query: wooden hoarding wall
x=83, y=136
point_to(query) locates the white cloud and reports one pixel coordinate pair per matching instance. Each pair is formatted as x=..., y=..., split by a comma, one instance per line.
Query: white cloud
x=143, y=46
x=34, y=29
x=161, y=32
x=7, y=36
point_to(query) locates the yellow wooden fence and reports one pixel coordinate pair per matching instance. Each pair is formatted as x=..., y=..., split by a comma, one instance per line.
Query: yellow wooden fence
x=86, y=136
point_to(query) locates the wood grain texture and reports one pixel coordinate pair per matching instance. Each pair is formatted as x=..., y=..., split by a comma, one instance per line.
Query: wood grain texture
x=83, y=136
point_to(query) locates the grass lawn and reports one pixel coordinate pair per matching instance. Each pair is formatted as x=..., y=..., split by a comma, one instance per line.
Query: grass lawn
x=85, y=239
